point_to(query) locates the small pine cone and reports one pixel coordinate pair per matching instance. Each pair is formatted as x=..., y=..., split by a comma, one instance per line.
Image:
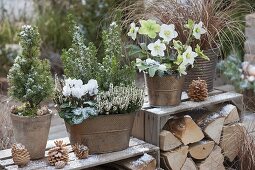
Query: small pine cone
x=58, y=153
x=60, y=164
x=43, y=111
x=80, y=151
x=20, y=155
x=14, y=109
x=198, y=90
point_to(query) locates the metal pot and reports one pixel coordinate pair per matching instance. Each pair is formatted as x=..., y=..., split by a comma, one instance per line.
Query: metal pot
x=32, y=132
x=164, y=91
x=103, y=133
x=204, y=69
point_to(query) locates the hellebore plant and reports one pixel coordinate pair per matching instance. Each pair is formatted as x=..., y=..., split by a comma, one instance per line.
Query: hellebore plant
x=161, y=52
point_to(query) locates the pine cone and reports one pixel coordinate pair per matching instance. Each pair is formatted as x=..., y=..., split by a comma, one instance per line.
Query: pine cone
x=80, y=151
x=43, y=111
x=60, y=164
x=198, y=90
x=20, y=155
x=14, y=109
x=58, y=153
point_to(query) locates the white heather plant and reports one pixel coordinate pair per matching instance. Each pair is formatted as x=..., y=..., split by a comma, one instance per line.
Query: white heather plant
x=110, y=85
x=29, y=78
x=160, y=53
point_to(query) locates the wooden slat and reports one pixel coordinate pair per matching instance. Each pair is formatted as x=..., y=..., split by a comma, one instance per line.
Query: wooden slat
x=138, y=127
x=8, y=160
x=189, y=105
x=5, y=154
x=94, y=160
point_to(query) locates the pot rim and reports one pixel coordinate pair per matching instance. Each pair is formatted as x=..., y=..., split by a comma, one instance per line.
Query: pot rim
x=94, y=117
x=31, y=117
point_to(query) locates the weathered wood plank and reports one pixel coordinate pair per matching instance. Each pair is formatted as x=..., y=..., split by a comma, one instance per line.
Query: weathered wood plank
x=8, y=160
x=138, y=127
x=189, y=105
x=94, y=160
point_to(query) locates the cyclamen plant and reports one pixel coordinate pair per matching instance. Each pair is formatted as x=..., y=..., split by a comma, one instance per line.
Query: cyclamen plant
x=165, y=54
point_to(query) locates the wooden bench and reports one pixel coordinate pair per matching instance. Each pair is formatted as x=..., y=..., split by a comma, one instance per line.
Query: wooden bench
x=136, y=148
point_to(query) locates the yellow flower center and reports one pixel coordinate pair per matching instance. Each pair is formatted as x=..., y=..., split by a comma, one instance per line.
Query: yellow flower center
x=167, y=33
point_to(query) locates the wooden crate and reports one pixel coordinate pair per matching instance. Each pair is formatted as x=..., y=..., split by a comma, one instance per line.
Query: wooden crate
x=150, y=122
x=136, y=148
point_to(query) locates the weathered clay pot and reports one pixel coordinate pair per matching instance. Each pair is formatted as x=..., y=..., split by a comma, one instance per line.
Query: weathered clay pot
x=204, y=69
x=104, y=133
x=164, y=91
x=32, y=132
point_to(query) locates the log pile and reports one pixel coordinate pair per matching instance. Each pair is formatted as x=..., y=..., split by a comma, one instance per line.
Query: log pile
x=201, y=142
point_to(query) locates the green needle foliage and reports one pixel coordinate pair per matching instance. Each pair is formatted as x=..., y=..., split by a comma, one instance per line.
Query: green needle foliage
x=80, y=61
x=115, y=67
x=29, y=78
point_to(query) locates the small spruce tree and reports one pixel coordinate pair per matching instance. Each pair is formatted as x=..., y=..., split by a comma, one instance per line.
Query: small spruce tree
x=29, y=78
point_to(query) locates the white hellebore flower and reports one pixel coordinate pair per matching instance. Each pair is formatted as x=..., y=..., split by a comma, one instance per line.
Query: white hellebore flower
x=167, y=32
x=138, y=60
x=182, y=69
x=189, y=56
x=133, y=31
x=251, y=78
x=92, y=87
x=198, y=30
x=162, y=67
x=157, y=48
x=150, y=61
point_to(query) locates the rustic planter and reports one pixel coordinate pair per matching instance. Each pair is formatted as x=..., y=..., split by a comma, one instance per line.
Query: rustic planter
x=164, y=91
x=204, y=69
x=104, y=133
x=32, y=132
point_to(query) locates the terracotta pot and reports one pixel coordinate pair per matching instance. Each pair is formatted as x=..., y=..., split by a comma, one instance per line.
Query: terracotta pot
x=32, y=132
x=164, y=91
x=104, y=133
x=204, y=69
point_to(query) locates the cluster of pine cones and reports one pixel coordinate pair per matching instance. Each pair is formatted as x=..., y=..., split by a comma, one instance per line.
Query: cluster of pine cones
x=198, y=90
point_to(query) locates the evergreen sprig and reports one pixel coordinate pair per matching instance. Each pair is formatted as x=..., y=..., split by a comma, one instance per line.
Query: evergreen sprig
x=80, y=61
x=30, y=78
x=115, y=68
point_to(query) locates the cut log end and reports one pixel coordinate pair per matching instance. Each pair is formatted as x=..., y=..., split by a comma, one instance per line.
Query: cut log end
x=189, y=165
x=231, y=113
x=213, y=161
x=201, y=149
x=167, y=141
x=186, y=130
x=176, y=158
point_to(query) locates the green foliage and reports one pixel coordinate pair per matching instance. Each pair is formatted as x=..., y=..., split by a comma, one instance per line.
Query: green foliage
x=7, y=36
x=231, y=69
x=115, y=67
x=80, y=61
x=52, y=20
x=30, y=78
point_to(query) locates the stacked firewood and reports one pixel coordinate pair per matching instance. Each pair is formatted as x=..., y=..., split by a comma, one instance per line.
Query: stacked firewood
x=201, y=141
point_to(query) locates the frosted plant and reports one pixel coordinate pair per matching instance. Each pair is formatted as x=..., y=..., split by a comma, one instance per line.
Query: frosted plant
x=30, y=78
x=80, y=61
x=120, y=99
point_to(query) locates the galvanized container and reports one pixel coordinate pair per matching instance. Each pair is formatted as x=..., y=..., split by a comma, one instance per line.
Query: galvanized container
x=164, y=91
x=204, y=69
x=32, y=132
x=104, y=133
